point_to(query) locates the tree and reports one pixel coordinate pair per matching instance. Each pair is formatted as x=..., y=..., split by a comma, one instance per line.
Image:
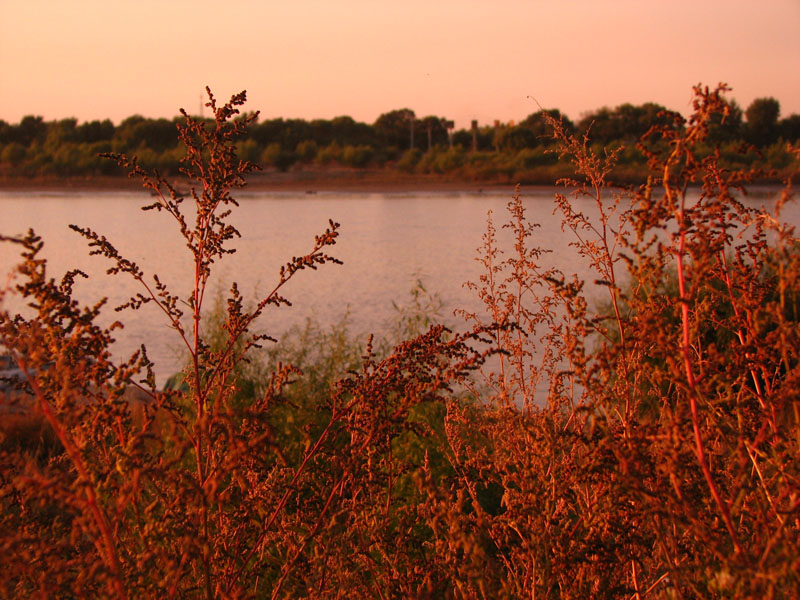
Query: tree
x=124, y=137
x=13, y=154
x=158, y=134
x=267, y=132
x=789, y=128
x=484, y=135
x=95, y=131
x=306, y=151
x=600, y=125
x=762, y=121
x=515, y=138
x=395, y=128
x=537, y=124
x=627, y=122
x=60, y=132
x=433, y=132
x=463, y=139
x=727, y=128
x=29, y=130
x=349, y=132
x=287, y=133
x=294, y=131
x=276, y=156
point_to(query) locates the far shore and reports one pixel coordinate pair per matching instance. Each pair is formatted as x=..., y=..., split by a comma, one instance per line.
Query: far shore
x=309, y=180
x=358, y=181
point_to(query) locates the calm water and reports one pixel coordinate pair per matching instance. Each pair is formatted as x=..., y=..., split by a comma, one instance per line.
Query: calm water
x=387, y=242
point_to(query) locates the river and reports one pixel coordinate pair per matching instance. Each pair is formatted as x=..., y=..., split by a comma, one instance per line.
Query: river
x=388, y=241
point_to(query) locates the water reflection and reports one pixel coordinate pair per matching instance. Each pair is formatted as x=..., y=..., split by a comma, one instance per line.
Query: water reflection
x=387, y=242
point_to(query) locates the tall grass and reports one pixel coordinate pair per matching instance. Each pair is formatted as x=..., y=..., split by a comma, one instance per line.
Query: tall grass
x=662, y=460
x=646, y=450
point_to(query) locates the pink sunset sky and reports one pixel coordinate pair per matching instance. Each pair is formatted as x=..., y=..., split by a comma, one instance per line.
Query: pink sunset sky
x=460, y=59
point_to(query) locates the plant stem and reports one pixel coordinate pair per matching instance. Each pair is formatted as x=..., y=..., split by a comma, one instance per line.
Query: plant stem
x=687, y=361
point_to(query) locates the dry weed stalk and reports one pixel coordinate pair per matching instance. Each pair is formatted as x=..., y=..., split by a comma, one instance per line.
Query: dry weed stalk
x=201, y=491
x=647, y=450
x=675, y=473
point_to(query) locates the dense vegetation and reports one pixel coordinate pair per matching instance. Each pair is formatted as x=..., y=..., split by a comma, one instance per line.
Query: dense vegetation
x=398, y=140
x=547, y=449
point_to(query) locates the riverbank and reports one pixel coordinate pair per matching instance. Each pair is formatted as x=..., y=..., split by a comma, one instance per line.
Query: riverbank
x=310, y=181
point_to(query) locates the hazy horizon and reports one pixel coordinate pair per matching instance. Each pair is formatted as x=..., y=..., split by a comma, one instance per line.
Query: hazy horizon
x=461, y=60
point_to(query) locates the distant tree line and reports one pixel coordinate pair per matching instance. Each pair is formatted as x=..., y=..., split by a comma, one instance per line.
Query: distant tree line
x=397, y=139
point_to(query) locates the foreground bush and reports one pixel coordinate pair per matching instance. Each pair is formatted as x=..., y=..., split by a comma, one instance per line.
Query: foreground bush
x=649, y=450
x=655, y=450
x=190, y=493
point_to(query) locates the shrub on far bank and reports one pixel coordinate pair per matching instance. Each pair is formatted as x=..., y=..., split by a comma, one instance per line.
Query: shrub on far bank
x=357, y=156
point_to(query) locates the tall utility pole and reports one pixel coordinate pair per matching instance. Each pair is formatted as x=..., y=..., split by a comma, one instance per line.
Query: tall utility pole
x=430, y=134
x=474, y=135
x=449, y=125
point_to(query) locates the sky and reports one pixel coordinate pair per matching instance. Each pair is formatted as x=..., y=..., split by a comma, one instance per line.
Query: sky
x=459, y=59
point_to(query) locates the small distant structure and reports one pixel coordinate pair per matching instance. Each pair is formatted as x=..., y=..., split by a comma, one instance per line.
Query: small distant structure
x=474, y=135
x=430, y=134
x=449, y=126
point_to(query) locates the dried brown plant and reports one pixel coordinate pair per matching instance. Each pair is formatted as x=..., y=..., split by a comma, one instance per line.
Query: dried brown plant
x=644, y=450
x=662, y=460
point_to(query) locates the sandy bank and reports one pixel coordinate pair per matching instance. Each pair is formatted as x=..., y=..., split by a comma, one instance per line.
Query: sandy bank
x=357, y=181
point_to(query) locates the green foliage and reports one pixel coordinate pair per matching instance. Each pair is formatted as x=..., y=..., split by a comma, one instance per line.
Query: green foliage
x=537, y=123
x=329, y=154
x=409, y=160
x=275, y=156
x=249, y=151
x=306, y=151
x=394, y=128
x=439, y=160
x=66, y=148
x=762, y=121
x=13, y=154
x=356, y=156
x=513, y=139
x=790, y=128
x=529, y=158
